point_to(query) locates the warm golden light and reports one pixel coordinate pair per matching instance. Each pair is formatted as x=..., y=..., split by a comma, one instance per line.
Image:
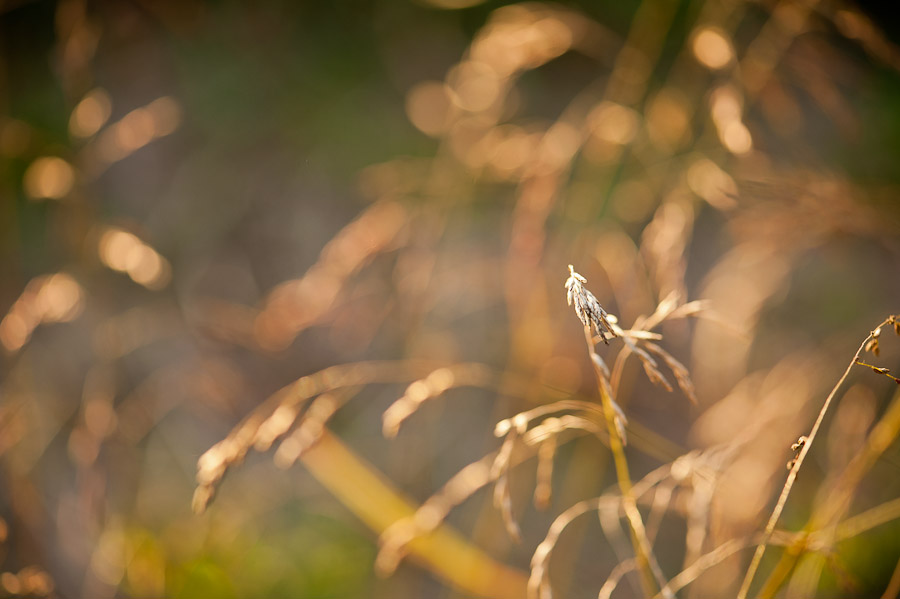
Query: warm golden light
x=49, y=177
x=137, y=129
x=559, y=144
x=514, y=151
x=99, y=417
x=296, y=304
x=725, y=105
x=711, y=183
x=520, y=37
x=59, y=299
x=475, y=85
x=150, y=269
x=111, y=555
x=736, y=137
x=467, y=138
x=354, y=239
x=712, y=48
x=166, y=115
x=428, y=107
x=117, y=247
x=555, y=37
x=727, y=110
x=46, y=299
x=125, y=252
x=90, y=114
x=14, y=331
x=613, y=123
x=668, y=119
x=10, y=583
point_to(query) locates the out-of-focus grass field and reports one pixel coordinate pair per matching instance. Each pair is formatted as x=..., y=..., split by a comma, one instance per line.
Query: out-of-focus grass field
x=363, y=212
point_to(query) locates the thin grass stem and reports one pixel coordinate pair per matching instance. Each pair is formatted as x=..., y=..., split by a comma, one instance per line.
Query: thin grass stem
x=792, y=476
x=651, y=574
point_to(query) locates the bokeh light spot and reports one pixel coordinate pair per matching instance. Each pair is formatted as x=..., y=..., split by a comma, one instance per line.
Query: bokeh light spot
x=125, y=252
x=14, y=331
x=613, y=123
x=428, y=107
x=90, y=114
x=60, y=298
x=712, y=48
x=49, y=177
x=475, y=85
x=736, y=137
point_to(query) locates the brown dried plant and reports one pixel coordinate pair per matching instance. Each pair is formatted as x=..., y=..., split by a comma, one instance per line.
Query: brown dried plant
x=830, y=512
x=592, y=315
x=537, y=432
x=587, y=308
x=776, y=579
x=672, y=171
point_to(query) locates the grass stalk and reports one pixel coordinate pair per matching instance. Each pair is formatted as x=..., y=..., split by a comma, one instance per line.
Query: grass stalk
x=790, y=557
x=651, y=575
x=444, y=552
x=825, y=517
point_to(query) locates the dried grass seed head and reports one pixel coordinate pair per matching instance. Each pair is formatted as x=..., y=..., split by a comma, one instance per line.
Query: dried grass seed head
x=872, y=343
x=587, y=308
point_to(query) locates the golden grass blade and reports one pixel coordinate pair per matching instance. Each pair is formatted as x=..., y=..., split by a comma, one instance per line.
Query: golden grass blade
x=500, y=473
x=396, y=538
x=538, y=583
x=213, y=464
x=798, y=462
x=612, y=581
x=825, y=516
x=682, y=375
x=647, y=565
x=893, y=588
x=373, y=500
x=876, y=516
x=320, y=411
x=658, y=507
x=297, y=304
x=543, y=489
x=435, y=384
x=705, y=562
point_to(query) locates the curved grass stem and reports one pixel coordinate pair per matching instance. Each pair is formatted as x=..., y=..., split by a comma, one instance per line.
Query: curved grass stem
x=792, y=476
x=652, y=578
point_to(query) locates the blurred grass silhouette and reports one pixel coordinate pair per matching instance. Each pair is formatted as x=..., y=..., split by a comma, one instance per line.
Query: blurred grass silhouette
x=345, y=228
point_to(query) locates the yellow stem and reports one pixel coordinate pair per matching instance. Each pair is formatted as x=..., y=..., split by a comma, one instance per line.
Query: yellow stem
x=444, y=552
x=788, y=559
x=651, y=576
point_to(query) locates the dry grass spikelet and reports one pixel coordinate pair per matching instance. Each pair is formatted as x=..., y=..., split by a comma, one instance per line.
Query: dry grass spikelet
x=432, y=386
x=587, y=308
x=872, y=343
x=682, y=376
x=500, y=472
x=327, y=389
x=394, y=541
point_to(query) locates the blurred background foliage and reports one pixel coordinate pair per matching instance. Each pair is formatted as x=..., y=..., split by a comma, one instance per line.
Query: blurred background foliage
x=203, y=201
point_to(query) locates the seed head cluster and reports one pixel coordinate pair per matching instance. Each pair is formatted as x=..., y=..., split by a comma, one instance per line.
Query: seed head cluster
x=587, y=308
